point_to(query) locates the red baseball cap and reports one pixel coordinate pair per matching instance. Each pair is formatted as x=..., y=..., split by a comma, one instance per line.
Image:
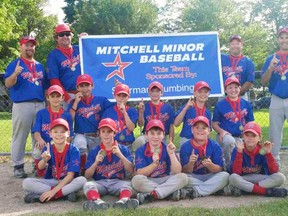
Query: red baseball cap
x=155, y=84
x=55, y=88
x=62, y=28
x=59, y=121
x=201, y=119
x=231, y=80
x=84, y=78
x=155, y=123
x=122, y=88
x=282, y=30
x=108, y=122
x=26, y=39
x=201, y=84
x=253, y=127
x=235, y=37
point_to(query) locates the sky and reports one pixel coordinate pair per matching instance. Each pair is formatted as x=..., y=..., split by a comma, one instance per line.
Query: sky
x=54, y=7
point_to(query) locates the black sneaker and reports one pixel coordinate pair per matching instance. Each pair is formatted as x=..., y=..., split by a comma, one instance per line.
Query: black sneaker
x=276, y=192
x=72, y=197
x=126, y=203
x=31, y=198
x=20, y=173
x=192, y=193
x=95, y=205
x=143, y=197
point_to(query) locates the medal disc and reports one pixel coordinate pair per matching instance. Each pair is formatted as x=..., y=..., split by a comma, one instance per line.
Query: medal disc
x=122, y=137
x=283, y=77
x=241, y=127
x=73, y=68
x=36, y=83
x=262, y=151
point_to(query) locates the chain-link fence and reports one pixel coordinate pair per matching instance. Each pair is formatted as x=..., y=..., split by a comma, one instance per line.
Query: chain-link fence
x=259, y=98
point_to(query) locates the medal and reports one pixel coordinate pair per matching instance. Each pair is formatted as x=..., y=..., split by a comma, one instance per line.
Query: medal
x=283, y=77
x=102, y=152
x=241, y=128
x=262, y=151
x=122, y=137
x=36, y=82
x=157, y=150
x=73, y=68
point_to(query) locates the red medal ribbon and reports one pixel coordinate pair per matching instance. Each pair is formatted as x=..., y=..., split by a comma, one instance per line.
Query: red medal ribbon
x=55, y=115
x=31, y=67
x=201, y=148
x=88, y=100
x=60, y=159
x=157, y=109
x=283, y=62
x=121, y=120
x=149, y=153
x=235, y=61
x=68, y=53
x=234, y=105
x=200, y=111
x=108, y=152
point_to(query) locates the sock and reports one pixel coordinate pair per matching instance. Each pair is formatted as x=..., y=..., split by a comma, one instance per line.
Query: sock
x=259, y=190
x=154, y=194
x=125, y=194
x=40, y=173
x=83, y=158
x=92, y=195
x=59, y=194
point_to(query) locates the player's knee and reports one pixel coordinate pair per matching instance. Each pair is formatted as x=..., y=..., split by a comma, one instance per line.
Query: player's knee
x=27, y=184
x=138, y=181
x=281, y=179
x=234, y=179
x=183, y=178
x=89, y=186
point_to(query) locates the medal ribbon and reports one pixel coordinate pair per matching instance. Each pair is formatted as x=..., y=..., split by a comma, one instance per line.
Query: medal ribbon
x=199, y=111
x=68, y=53
x=283, y=63
x=149, y=153
x=201, y=148
x=108, y=152
x=31, y=67
x=121, y=120
x=157, y=109
x=88, y=100
x=55, y=115
x=60, y=159
x=235, y=61
x=234, y=105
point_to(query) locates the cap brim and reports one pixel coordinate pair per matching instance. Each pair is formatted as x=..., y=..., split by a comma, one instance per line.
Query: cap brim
x=124, y=92
x=109, y=126
x=84, y=82
x=61, y=93
x=253, y=131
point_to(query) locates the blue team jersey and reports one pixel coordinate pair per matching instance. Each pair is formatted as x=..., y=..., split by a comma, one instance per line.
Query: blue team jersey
x=27, y=87
x=71, y=163
x=188, y=120
x=42, y=122
x=122, y=135
x=143, y=158
x=88, y=116
x=166, y=115
x=244, y=71
x=277, y=86
x=252, y=162
x=112, y=168
x=212, y=151
x=224, y=114
x=59, y=67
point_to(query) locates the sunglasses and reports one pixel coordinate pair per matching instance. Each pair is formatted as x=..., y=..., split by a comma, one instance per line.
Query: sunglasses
x=62, y=34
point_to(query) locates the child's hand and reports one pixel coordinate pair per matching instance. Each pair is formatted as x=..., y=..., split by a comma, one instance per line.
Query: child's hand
x=222, y=134
x=40, y=144
x=268, y=146
x=46, y=156
x=116, y=151
x=171, y=148
x=116, y=82
x=78, y=97
x=240, y=146
x=207, y=162
x=190, y=103
x=47, y=196
x=193, y=157
x=141, y=106
x=122, y=107
x=100, y=156
x=155, y=158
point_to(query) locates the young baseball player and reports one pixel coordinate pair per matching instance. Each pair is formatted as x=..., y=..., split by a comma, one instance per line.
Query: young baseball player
x=275, y=74
x=61, y=159
x=230, y=116
x=201, y=159
x=254, y=167
x=157, y=166
x=238, y=65
x=125, y=117
x=193, y=109
x=86, y=110
x=155, y=109
x=44, y=118
x=107, y=165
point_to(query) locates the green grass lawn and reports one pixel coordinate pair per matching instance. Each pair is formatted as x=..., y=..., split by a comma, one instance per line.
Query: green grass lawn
x=261, y=116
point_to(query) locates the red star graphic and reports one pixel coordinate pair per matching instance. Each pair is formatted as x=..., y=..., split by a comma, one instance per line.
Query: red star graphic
x=120, y=66
x=76, y=162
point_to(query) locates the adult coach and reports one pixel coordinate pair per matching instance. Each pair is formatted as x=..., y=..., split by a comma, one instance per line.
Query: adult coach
x=274, y=72
x=237, y=65
x=25, y=78
x=63, y=63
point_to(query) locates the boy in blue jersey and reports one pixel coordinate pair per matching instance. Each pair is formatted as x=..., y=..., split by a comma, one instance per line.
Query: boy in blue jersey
x=125, y=117
x=87, y=110
x=193, y=109
x=61, y=161
x=108, y=164
x=201, y=159
x=230, y=116
x=45, y=117
x=157, y=166
x=254, y=167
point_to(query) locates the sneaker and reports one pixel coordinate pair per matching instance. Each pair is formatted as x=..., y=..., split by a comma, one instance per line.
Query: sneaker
x=132, y=203
x=236, y=192
x=176, y=195
x=276, y=192
x=122, y=203
x=142, y=197
x=126, y=203
x=72, y=197
x=31, y=198
x=19, y=173
x=95, y=205
x=229, y=190
x=192, y=193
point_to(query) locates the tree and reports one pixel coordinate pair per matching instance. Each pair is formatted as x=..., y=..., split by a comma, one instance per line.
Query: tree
x=99, y=17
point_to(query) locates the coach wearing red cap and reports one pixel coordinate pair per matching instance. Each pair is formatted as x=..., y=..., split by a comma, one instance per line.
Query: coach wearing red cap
x=25, y=78
x=63, y=63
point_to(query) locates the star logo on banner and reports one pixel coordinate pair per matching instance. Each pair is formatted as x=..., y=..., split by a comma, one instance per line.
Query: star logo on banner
x=119, y=65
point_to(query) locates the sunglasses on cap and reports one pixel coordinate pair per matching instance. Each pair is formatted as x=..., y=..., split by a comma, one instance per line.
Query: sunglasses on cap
x=62, y=34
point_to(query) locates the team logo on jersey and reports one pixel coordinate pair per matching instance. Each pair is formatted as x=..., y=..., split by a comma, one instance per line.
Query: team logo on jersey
x=71, y=62
x=108, y=171
x=248, y=170
x=119, y=65
x=160, y=170
x=63, y=173
x=86, y=112
x=231, y=116
x=163, y=117
x=29, y=77
x=76, y=163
